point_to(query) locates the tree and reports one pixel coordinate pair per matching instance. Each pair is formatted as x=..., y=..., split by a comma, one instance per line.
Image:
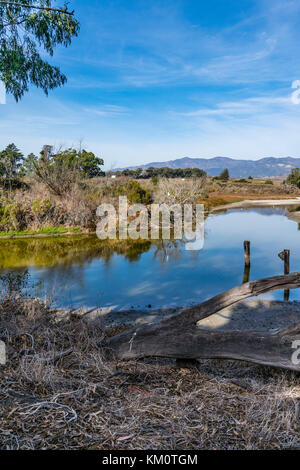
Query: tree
x=135, y=193
x=26, y=27
x=89, y=164
x=29, y=164
x=10, y=161
x=164, y=172
x=224, y=175
x=294, y=177
x=60, y=170
x=85, y=162
x=55, y=172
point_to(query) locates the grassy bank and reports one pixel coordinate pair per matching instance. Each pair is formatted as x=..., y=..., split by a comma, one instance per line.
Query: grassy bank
x=76, y=400
x=41, y=231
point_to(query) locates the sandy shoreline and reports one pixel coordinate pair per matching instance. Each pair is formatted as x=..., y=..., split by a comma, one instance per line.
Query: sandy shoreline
x=248, y=203
x=255, y=203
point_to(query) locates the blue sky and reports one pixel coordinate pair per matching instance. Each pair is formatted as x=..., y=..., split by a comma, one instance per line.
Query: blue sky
x=156, y=80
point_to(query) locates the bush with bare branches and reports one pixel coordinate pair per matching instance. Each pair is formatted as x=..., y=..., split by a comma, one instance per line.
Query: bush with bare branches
x=178, y=191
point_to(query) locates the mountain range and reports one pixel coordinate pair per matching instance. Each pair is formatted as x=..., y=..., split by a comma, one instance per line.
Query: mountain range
x=265, y=167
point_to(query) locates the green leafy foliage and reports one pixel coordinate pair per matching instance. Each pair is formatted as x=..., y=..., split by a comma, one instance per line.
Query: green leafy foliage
x=10, y=215
x=86, y=162
x=224, y=175
x=135, y=193
x=26, y=29
x=41, y=208
x=55, y=171
x=164, y=172
x=29, y=164
x=10, y=161
x=155, y=180
x=294, y=177
x=243, y=180
x=59, y=171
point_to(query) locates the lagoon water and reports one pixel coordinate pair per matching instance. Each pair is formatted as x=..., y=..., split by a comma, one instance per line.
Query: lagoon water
x=86, y=272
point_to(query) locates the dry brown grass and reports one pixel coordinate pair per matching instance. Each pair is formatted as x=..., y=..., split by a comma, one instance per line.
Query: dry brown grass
x=37, y=207
x=253, y=189
x=79, y=401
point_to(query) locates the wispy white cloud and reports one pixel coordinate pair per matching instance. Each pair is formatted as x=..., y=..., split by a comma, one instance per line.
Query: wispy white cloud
x=107, y=110
x=248, y=106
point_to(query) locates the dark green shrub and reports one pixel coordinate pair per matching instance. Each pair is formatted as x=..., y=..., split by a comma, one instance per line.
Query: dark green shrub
x=11, y=215
x=155, y=180
x=224, y=175
x=135, y=193
x=294, y=177
x=243, y=180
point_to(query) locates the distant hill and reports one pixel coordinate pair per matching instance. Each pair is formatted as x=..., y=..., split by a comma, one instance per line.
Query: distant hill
x=265, y=167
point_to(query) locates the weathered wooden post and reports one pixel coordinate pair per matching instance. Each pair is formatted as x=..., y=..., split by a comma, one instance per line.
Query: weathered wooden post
x=287, y=261
x=247, y=253
x=285, y=256
x=247, y=261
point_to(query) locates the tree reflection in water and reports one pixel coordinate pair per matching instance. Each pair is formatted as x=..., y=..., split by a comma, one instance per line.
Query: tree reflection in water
x=12, y=282
x=63, y=257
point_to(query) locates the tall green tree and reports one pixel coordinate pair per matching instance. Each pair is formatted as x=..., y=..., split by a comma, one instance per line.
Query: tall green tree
x=86, y=162
x=27, y=27
x=28, y=167
x=90, y=165
x=10, y=161
x=60, y=170
x=294, y=177
x=224, y=175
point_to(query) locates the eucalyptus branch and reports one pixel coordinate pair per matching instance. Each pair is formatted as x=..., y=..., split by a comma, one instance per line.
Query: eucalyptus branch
x=13, y=19
x=36, y=7
x=23, y=33
x=14, y=22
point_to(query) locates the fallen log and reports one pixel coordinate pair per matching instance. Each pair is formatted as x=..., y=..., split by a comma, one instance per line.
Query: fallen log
x=179, y=337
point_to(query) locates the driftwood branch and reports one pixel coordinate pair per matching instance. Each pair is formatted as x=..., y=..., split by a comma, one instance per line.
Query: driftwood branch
x=179, y=336
x=53, y=359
